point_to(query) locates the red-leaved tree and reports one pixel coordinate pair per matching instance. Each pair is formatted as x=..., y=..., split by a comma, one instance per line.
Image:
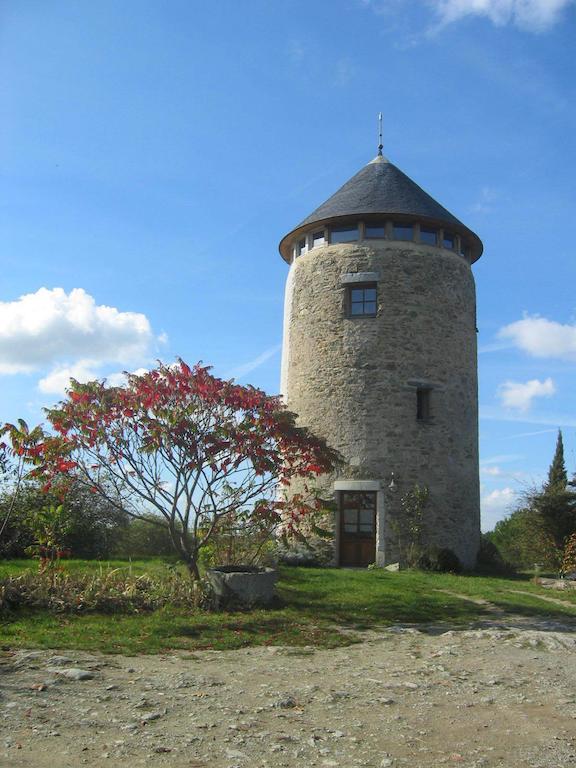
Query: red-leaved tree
x=199, y=451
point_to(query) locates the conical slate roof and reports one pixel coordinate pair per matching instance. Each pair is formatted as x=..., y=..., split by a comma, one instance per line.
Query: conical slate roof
x=382, y=188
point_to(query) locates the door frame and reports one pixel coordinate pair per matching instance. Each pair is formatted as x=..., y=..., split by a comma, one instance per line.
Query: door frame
x=363, y=485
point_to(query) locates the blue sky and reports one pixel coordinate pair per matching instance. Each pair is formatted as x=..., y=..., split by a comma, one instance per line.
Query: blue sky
x=152, y=155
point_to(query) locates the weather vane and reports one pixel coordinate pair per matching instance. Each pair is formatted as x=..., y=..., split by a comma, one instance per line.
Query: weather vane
x=380, y=145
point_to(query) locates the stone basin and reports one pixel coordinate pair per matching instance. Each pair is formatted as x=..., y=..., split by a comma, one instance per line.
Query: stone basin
x=243, y=584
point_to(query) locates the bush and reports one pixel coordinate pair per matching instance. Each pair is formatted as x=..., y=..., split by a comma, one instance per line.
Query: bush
x=440, y=560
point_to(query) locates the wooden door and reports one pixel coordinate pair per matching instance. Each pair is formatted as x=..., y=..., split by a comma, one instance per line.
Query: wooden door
x=357, y=528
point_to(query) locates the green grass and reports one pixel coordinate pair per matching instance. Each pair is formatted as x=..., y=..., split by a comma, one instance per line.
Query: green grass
x=151, y=565
x=314, y=603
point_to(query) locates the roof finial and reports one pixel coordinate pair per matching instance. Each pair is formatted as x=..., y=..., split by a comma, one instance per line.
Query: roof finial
x=380, y=145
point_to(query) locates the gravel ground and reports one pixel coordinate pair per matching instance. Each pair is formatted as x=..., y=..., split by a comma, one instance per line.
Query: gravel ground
x=500, y=694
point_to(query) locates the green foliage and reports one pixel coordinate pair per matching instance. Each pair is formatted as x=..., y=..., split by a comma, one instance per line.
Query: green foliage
x=557, y=476
x=556, y=508
x=537, y=532
x=48, y=526
x=522, y=540
x=489, y=558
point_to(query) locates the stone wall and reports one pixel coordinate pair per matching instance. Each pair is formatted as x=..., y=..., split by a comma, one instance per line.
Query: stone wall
x=353, y=381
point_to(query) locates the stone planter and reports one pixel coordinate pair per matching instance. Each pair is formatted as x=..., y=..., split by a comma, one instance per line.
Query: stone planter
x=244, y=585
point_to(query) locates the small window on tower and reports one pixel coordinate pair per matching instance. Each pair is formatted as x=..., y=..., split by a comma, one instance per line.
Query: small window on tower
x=362, y=300
x=301, y=247
x=423, y=396
x=448, y=241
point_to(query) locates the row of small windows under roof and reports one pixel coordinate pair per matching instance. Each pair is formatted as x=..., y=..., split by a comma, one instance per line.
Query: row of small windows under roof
x=440, y=238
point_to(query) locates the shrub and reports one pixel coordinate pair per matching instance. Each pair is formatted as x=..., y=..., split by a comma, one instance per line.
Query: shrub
x=440, y=560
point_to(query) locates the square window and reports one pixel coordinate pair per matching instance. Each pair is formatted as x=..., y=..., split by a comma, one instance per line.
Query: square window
x=362, y=300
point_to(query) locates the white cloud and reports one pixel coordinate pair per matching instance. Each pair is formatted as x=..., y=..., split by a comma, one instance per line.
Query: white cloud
x=495, y=505
x=518, y=476
x=119, y=379
x=492, y=471
x=68, y=330
x=58, y=380
x=518, y=395
x=542, y=338
x=533, y=15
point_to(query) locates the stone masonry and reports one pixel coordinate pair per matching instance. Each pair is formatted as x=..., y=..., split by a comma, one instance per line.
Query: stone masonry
x=353, y=381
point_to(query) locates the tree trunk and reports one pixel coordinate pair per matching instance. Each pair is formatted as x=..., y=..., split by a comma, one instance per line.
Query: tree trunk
x=192, y=566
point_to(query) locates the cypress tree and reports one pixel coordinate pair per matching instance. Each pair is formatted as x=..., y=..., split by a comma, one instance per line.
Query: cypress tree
x=557, y=475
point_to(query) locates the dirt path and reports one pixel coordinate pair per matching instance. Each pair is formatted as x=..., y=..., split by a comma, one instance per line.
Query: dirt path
x=501, y=694
x=554, y=600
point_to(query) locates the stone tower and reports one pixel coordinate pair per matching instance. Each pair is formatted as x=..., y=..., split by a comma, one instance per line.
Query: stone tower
x=379, y=358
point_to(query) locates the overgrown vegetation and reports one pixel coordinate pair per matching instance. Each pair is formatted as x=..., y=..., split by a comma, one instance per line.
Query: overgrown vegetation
x=112, y=591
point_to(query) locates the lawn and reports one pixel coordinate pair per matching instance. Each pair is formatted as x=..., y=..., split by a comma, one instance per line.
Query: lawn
x=314, y=604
